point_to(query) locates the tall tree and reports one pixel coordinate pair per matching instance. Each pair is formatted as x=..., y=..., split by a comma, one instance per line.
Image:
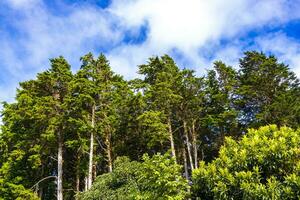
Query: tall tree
x=162, y=79
x=53, y=88
x=38, y=125
x=190, y=112
x=268, y=91
x=220, y=116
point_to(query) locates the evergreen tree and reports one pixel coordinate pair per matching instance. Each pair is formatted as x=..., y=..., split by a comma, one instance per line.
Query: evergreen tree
x=220, y=116
x=268, y=92
x=38, y=125
x=161, y=90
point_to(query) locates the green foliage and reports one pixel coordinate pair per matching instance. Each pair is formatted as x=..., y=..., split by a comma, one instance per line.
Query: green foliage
x=268, y=92
x=9, y=190
x=219, y=114
x=167, y=108
x=160, y=178
x=119, y=184
x=30, y=130
x=155, y=132
x=264, y=164
x=155, y=178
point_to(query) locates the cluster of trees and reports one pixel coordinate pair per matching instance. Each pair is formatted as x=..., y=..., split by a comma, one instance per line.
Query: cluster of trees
x=65, y=129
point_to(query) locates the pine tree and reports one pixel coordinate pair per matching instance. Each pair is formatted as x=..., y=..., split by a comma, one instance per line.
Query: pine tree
x=268, y=92
x=161, y=90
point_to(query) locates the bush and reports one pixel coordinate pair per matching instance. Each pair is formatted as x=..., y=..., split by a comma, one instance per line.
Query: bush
x=264, y=164
x=158, y=178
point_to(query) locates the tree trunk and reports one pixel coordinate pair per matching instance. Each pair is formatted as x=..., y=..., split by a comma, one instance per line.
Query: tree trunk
x=77, y=180
x=41, y=188
x=40, y=193
x=186, y=172
x=85, y=183
x=195, y=144
x=171, y=139
x=90, y=173
x=94, y=171
x=77, y=183
x=108, y=151
x=188, y=144
x=60, y=167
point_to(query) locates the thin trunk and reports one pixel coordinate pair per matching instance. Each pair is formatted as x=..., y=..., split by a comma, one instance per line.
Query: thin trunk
x=195, y=144
x=108, y=152
x=60, y=167
x=41, y=193
x=188, y=144
x=41, y=188
x=77, y=181
x=186, y=173
x=90, y=174
x=77, y=186
x=94, y=171
x=85, y=183
x=171, y=139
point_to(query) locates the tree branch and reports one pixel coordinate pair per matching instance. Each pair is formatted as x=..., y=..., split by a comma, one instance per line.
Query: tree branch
x=42, y=180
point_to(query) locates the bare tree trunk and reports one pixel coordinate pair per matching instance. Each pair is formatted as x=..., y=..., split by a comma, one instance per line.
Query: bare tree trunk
x=77, y=184
x=40, y=193
x=171, y=139
x=186, y=172
x=188, y=144
x=40, y=189
x=195, y=144
x=108, y=151
x=90, y=173
x=85, y=183
x=77, y=181
x=60, y=167
x=94, y=171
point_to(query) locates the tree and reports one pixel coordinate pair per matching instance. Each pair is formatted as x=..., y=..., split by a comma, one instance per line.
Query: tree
x=264, y=164
x=161, y=89
x=219, y=115
x=190, y=112
x=37, y=124
x=268, y=92
x=96, y=90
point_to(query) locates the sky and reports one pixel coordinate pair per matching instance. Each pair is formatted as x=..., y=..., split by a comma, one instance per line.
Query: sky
x=194, y=32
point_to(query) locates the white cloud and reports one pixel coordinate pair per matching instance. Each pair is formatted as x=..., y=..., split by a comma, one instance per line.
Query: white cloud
x=286, y=49
x=22, y=4
x=194, y=28
x=43, y=35
x=191, y=25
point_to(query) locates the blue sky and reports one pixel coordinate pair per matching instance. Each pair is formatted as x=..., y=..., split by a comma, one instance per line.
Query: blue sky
x=194, y=32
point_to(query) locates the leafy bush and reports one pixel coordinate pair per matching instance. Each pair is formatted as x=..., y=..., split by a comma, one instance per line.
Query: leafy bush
x=155, y=178
x=264, y=164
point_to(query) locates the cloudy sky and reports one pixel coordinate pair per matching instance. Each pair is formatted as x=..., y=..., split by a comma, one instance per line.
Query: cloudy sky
x=194, y=32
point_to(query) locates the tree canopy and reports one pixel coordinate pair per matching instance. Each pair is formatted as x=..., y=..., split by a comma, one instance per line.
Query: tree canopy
x=76, y=134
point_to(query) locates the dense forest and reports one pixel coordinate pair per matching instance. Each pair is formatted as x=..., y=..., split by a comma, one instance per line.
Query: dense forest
x=232, y=133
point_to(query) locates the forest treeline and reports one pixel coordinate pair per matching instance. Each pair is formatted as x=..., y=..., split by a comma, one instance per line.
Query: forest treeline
x=94, y=135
